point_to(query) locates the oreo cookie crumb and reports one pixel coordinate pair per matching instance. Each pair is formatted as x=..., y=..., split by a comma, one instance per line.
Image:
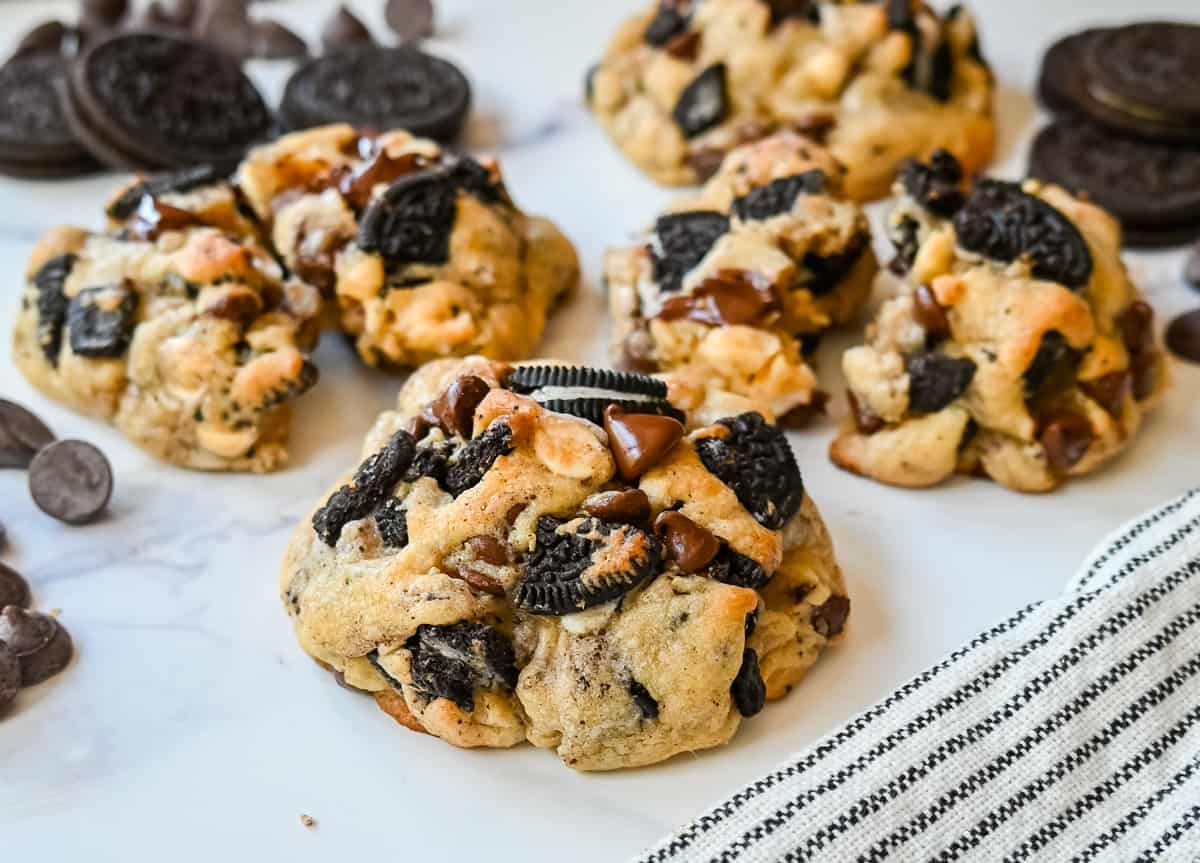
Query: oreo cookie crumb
x=756, y=462
x=391, y=520
x=935, y=184
x=372, y=483
x=52, y=303
x=778, y=196
x=453, y=661
x=469, y=464
x=680, y=242
x=935, y=380
x=748, y=690
x=729, y=567
x=704, y=103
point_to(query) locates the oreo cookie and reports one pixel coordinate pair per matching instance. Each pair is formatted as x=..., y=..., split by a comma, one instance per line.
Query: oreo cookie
x=1147, y=69
x=1152, y=188
x=35, y=139
x=587, y=392
x=382, y=88
x=153, y=101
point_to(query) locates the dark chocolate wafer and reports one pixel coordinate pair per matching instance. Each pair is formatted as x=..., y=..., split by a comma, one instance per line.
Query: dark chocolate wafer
x=35, y=139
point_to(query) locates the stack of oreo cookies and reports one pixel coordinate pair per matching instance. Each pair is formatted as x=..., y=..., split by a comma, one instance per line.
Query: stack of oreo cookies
x=1127, y=130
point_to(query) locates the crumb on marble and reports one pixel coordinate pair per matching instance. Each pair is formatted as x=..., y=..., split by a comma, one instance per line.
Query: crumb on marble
x=308, y=821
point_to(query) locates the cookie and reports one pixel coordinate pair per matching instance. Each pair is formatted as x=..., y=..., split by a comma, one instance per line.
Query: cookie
x=193, y=343
x=379, y=88
x=723, y=291
x=152, y=100
x=420, y=251
x=683, y=83
x=1152, y=188
x=1147, y=69
x=35, y=140
x=616, y=621
x=1017, y=347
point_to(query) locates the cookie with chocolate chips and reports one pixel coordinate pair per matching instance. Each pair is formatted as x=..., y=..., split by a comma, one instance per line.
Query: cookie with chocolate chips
x=1018, y=347
x=501, y=569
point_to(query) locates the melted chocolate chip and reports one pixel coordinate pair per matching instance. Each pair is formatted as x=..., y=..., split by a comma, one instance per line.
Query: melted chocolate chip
x=930, y=314
x=454, y=409
x=639, y=441
x=691, y=546
x=728, y=298
x=864, y=420
x=829, y=619
x=1109, y=391
x=1065, y=436
x=628, y=506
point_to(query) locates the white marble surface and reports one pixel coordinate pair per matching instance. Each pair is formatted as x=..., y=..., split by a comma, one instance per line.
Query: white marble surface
x=190, y=725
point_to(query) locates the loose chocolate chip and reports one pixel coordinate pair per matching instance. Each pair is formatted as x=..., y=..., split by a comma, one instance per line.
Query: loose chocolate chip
x=529, y=379
x=101, y=321
x=3, y=543
x=49, y=660
x=825, y=272
x=1183, y=336
x=372, y=483
x=778, y=196
x=21, y=436
x=691, y=546
x=1191, y=270
x=930, y=314
x=639, y=441
x=703, y=103
x=25, y=632
x=729, y=567
x=666, y=24
x=455, y=408
x=344, y=29
x=1109, y=391
x=627, y=506
x=829, y=618
x=453, y=661
x=935, y=380
x=756, y=462
x=585, y=562
x=644, y=701
x=748, y=690
x=52, y=303
x=680, y=242
x=14, y=589
x=10, y=676
x=1136, y=324
x=270, y=40
x=391, y=520
x=410, y=19
x=411, y=222
x=1053, y=353
x=49, y=37
x=71, y=481
x=865, y=422
x=1002, y=222
x=470, y=464
x=1065, y=436
x=935, y=185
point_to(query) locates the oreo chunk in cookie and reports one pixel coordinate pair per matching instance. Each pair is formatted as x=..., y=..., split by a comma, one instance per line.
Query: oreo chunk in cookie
x=729, y=567
x=704, y=103
x=52, y=303
x=778, y=196
x=101, y=321
x=468, y=466
x=936, y=184
x=748, y=690
x=935, y=380
x=1002, y=222
x=152, y=100
x=680, y=241
x=35, y=140
x=583, y=562
x=372, y=483
x=125, y=205
x=587, y=393
x=379, y=88
x=453, y=661
x=754, y=459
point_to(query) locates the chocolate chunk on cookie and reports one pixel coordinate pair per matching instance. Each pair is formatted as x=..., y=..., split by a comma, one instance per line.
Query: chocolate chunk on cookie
x=35, y=139
x=154, y=100
x=344, y=29
x=453, y=661
x=379, y=88
x=755, y=460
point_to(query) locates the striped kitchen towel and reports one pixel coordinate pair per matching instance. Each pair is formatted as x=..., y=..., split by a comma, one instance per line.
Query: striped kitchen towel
x=1071, y=731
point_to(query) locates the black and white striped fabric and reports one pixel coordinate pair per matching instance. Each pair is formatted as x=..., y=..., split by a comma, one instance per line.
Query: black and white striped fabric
x=1071, y=731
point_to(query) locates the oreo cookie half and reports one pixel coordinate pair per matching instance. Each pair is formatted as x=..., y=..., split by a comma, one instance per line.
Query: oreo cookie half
x=381, y=88
x=586, y=392
x=152, y=100
x=35, y=140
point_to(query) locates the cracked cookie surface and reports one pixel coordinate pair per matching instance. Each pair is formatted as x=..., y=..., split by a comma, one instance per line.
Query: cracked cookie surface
x=688, y=80
x=729, y=284
x=1016, y=347
x=617, y=621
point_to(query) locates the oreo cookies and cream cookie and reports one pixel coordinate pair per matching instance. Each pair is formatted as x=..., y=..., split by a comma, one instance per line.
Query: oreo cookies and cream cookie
x=618, y=592
x=728, y=285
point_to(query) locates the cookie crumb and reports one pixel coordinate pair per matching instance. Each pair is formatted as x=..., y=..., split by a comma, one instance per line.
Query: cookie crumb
x=308, y=822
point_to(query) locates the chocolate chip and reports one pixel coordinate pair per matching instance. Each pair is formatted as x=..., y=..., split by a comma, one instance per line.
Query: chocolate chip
x=1191, y=270
x=803, y=416
x=223, y=24
x=705, y=161
x=691, y=546
x=639, y=441
x=10, y=676
x=410, y=19
x=1065, y=436
x=865, y=421
x=930, y=314
x=21, y=435
x=1183, y=336
x=71, y=480
x=344, y=29
x=685, y=46
x=49, y=37
x=488, y=549
x=1145, y=371
x=667, y=24
x=1136, y=325
x=50, y=659
x=455, y=408
x=270, y=40
x=829, y=618
x=748, y=690
x=1109, y=391
x=1054, y=362
x=25, y=632
x=14, y=589
x=629, y=506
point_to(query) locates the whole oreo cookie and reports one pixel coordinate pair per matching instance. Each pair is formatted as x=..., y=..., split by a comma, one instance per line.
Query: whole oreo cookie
x=35, y=140
x=1149, y=69
x=381, y=88
x=152, y=100
x=1152, y=188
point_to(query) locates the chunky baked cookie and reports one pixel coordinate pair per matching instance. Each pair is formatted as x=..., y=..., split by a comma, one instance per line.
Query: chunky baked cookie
x=501, y=569
x=730, y=286
x=193, y=343
x=423, y=249
x=1016, y=348
x=688, y=80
